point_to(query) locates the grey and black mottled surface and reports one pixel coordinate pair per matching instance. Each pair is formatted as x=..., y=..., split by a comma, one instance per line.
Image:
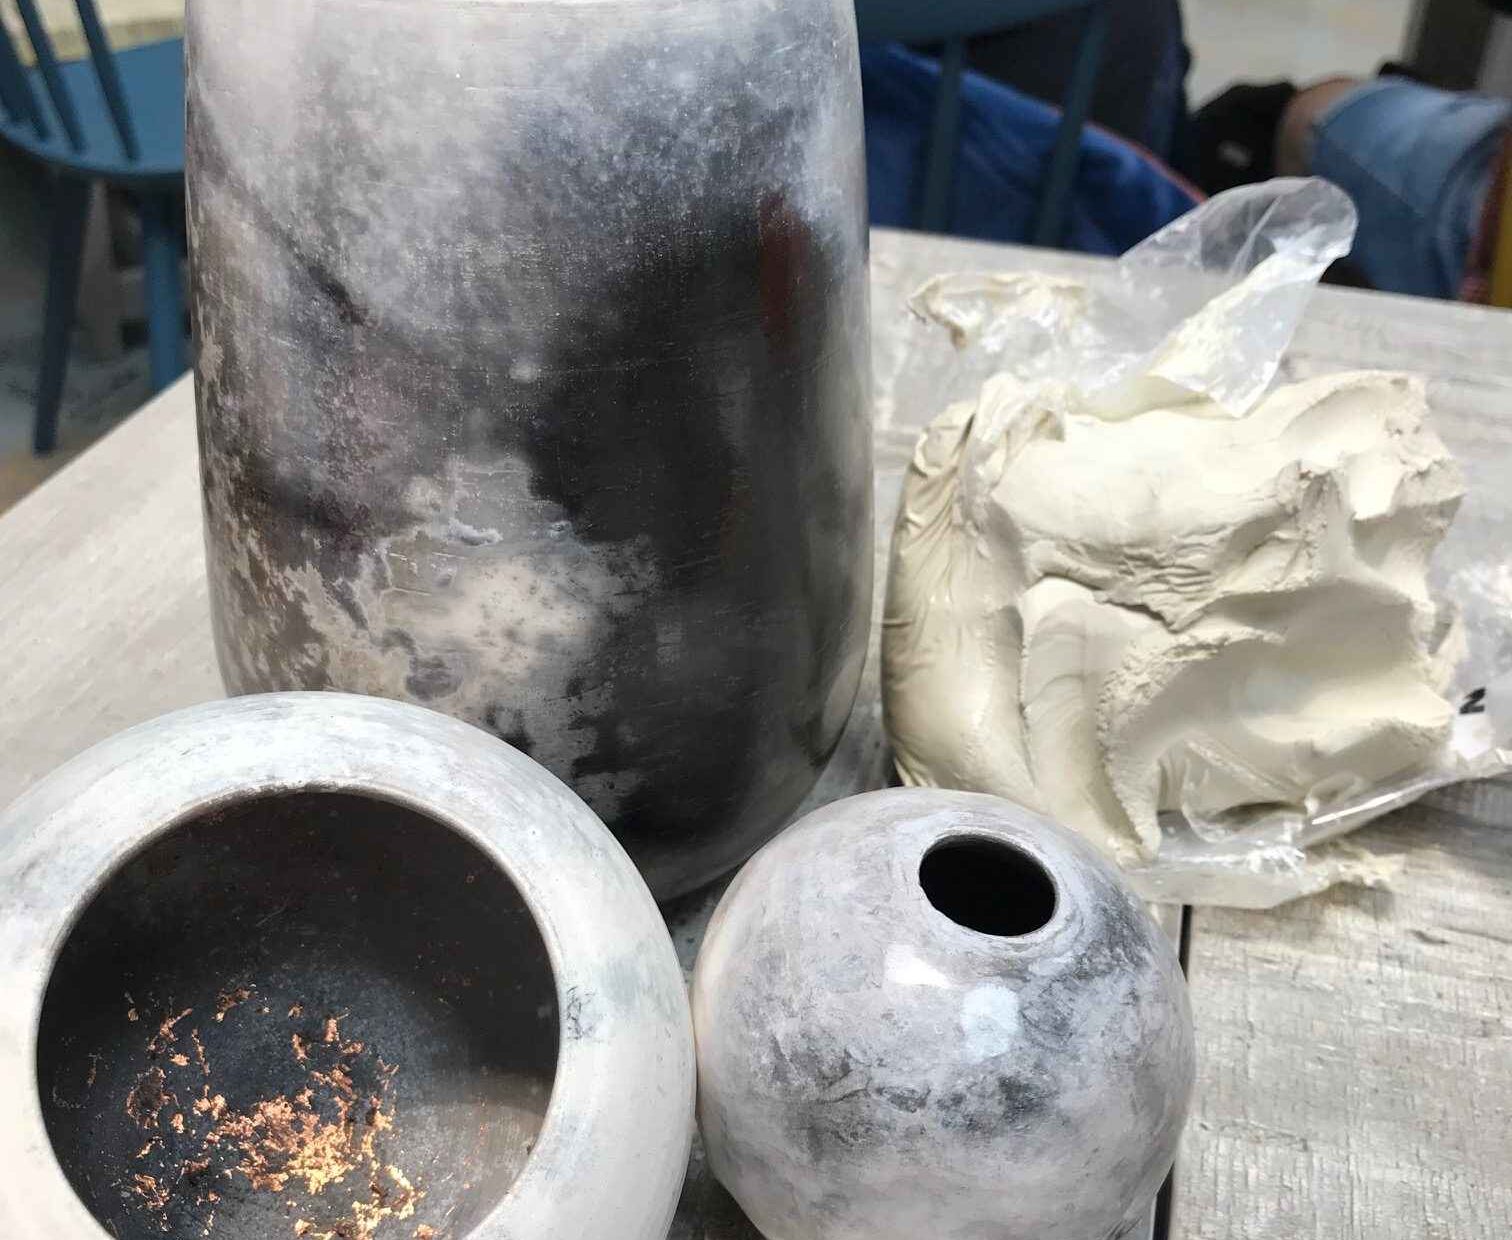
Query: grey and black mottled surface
x=870, y=1068
x=533, y=383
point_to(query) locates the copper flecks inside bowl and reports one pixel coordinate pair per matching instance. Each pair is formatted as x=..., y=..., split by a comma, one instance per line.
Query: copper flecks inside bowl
x=315, y=1015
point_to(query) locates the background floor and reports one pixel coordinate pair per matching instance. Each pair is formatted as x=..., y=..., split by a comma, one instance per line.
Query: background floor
x=1260, y=40
x=1230, y=39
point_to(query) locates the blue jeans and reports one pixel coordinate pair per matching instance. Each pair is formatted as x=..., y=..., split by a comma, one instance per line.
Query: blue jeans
x=1120, y=196
x=1418, y=163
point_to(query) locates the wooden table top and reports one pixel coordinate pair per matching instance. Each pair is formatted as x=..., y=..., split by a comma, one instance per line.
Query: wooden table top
x=1354, y=1049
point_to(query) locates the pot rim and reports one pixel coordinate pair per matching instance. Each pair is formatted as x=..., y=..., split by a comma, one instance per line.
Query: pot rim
x=624, y=1070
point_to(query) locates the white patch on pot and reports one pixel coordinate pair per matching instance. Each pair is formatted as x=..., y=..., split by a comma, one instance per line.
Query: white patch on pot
x=905, y=967
x=990, y=1022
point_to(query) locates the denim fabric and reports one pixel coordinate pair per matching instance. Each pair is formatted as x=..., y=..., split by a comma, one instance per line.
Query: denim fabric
x=1121, y=194
x=1417, y=161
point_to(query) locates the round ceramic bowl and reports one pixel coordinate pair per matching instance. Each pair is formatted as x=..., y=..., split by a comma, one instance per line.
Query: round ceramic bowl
x=315, y=965
x=925, y=1013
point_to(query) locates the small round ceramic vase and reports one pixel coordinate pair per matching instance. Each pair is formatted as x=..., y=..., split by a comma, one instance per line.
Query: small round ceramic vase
x=927, y=1013
x=321, y=965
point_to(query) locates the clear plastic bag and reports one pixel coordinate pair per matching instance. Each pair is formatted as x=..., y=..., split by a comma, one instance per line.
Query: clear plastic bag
x=1205, y=309
x=1249, y=260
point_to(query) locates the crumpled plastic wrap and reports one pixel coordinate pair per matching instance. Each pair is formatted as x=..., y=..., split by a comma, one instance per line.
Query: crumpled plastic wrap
x=1206, y=308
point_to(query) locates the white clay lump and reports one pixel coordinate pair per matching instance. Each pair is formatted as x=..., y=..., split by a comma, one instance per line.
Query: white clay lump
x=1181, y=610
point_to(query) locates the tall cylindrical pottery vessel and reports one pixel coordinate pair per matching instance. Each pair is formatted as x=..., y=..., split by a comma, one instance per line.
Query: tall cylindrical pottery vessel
x=532, y=382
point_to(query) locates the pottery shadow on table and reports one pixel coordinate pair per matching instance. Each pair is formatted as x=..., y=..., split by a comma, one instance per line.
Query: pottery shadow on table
x=706, y=1211
x=303, y=1014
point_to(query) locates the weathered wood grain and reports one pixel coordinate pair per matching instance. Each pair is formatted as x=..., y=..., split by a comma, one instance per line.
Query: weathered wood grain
x=104, y=617
x=1355, y=1074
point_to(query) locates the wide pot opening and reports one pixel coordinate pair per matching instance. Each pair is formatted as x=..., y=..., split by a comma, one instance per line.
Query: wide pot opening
x=317, y=1014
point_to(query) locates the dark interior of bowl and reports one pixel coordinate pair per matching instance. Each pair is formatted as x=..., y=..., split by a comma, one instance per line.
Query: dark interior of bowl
x=316, y=1015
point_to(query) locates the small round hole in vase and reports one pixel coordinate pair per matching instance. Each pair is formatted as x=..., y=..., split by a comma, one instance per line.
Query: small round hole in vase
x=988, y=886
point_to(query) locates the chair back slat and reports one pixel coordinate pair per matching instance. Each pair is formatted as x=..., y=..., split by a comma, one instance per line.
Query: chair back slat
x=47, y=62
x=950, y=23
x=15, y=90
x=911, y=21
x=110, y=77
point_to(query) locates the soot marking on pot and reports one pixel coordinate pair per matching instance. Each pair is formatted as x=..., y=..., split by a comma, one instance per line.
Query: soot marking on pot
x=831, y=1115
x=1104, y=974
x=579, y=1019
x=346, y=597
x=905, y=1098
x=337, y=293
x=614, y=463
x=1006, y=1100
x=430, y=676
x=509, y=726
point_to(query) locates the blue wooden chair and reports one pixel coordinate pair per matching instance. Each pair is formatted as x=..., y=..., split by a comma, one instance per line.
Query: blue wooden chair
x=952, y=22
x=113, y=118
